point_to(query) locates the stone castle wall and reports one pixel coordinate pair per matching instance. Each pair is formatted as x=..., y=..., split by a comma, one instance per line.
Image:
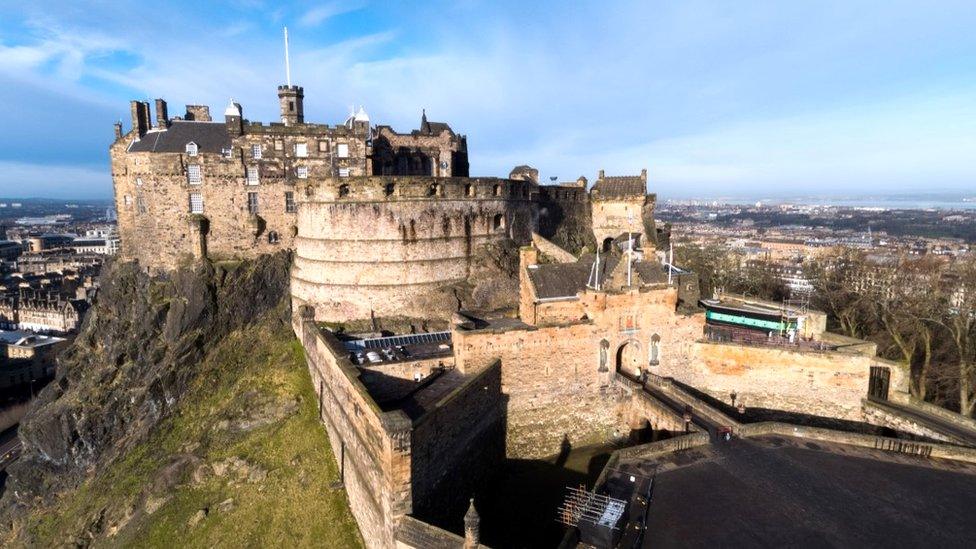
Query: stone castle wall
x=372, y=447
x=383, y=246
x=565, y=217
x=456, y=447
x=152, y=191
x=613, y=217
x=826, y=384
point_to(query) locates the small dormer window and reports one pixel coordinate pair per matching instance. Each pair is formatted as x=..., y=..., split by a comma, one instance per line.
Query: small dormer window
x=191, y=148
x=302, y=172
x=227, y=153
x=193, y=174
x=256, y=151
x=301, y=150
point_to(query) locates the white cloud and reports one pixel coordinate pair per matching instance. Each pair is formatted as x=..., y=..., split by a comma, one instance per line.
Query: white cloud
x=317, y=15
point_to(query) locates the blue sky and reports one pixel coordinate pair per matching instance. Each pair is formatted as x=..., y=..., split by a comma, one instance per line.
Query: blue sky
x=713, y=98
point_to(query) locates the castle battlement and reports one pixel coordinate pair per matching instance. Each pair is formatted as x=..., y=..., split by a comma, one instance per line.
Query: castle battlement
x=393, y=188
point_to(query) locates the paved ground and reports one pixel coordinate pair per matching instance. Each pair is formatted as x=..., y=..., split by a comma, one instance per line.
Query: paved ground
x=775, y=491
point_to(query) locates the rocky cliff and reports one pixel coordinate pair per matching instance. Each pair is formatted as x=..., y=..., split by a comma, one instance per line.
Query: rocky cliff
x=182, y=409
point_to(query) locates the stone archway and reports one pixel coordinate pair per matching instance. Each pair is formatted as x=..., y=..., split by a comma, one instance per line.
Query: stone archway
x=629, y=360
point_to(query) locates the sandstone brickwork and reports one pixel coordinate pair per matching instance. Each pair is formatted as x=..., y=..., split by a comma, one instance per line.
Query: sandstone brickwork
x=382, y=246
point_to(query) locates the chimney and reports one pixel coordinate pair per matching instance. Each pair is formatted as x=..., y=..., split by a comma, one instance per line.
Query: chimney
x=200, y=113
x=162, y=117
x=140, y=117
x=118, y=130
x=644, y=175
x=600, y=175
x=472, y=527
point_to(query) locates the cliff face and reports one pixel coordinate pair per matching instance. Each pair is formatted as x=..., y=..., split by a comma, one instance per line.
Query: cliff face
x=128, y=367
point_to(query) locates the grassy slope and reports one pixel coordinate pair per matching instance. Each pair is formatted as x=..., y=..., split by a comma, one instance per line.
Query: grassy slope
x=151, y=494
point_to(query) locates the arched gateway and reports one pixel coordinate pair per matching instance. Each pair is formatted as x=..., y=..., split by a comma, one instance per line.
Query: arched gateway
x=629, y=358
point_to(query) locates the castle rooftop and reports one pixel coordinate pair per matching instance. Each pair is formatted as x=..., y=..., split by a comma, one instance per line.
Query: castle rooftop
x=210, y=137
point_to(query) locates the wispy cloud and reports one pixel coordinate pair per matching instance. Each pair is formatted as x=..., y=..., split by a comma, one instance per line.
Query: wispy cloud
x=319, y=14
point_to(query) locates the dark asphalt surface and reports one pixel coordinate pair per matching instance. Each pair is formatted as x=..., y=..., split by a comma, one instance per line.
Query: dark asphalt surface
x=779, y=492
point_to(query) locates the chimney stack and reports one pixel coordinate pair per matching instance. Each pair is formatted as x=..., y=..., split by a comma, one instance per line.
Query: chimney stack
x=140, y=117
x=162, y=117
x=200, y=113
x=118, y=130
x=600, y=175
x=644, y=175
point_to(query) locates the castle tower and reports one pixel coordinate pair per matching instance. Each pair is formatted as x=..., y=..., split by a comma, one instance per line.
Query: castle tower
x=291, y=99
x=472, y=527
x=292, y=102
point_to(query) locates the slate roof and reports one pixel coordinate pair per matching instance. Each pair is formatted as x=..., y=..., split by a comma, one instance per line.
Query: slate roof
x=554, y=280
x=210, y=137
x=620, y=187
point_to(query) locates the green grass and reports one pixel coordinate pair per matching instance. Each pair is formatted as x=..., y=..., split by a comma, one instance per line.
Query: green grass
x=293, y=506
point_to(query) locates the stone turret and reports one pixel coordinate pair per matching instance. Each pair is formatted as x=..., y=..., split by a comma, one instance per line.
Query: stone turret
x=292, y=102
x=472, y=527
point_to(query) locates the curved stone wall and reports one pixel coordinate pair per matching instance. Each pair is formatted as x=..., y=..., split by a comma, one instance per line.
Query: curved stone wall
x=384, y=246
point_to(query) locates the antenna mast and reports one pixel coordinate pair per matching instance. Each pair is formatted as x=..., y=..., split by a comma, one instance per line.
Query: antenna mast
x=287, y=65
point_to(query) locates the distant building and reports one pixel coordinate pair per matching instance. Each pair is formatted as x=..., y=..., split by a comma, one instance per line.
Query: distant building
x=30, y=357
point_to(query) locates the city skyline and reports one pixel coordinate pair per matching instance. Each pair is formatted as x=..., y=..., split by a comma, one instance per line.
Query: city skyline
x=714, y=100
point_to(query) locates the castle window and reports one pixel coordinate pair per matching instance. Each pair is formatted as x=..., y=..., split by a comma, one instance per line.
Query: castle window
x=498, y=190
x=302, y=172
x=279, y=145
x=498, y=222
x=252, y=203
x=432, y=189
x=256, y=151
x=289, y=202
x=273, y=237
x=342, y=150
x=138, y=182
x=323, y=145
x=469, y=189
x=301, y=150
x=343, y=190
x=127, y=200
x=193, y=174
x=343, y=172
x=140, y=203
x=227, y=153
x=388, y=189
x=191, y=148
x=252, y=175
x=196, y=203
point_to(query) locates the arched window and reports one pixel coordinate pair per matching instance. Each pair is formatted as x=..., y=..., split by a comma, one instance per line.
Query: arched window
x=498, y=222
x=191, y=148
x=655, y=350
x=432, y=189
x=388, y=189
x=343, y=190
x=468, y=189
x=607, y=244
x=498, y=190
x=273, y=237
